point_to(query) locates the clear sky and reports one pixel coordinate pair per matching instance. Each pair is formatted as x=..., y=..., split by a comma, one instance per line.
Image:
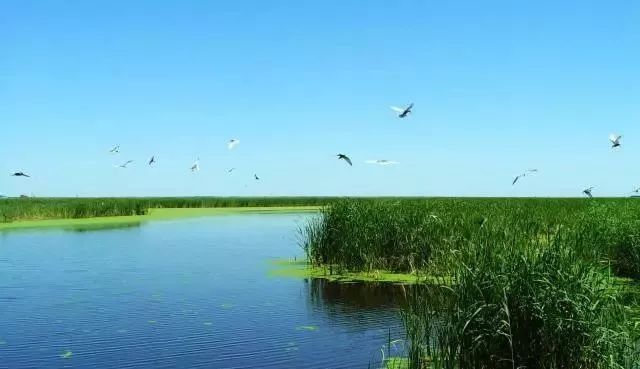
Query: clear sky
x=498, y=87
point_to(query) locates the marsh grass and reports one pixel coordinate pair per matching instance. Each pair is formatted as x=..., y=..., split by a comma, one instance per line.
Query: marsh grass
x=524, y=283
x=16, y=209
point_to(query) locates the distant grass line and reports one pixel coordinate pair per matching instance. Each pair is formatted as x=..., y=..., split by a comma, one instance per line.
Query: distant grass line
x=20, y=209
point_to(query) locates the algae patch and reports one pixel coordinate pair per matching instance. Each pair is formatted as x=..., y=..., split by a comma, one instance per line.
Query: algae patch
x=66, y=355
x=302, y=269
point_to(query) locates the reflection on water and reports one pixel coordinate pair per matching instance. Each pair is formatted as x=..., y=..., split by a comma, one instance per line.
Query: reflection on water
x=101, y=227
x=189, y=293
x=357, y=295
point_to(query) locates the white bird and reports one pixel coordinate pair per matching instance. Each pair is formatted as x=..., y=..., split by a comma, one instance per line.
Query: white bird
x=196, y=165
x=115, y=149
x=615, y=140
x=233, y=143
x=124, y=165
x=382, y=162
x=523, y=175
x=588, y=192
x=402, y=112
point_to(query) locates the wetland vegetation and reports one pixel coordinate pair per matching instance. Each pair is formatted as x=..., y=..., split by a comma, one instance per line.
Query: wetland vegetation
x=22, y=209
x=512, y=283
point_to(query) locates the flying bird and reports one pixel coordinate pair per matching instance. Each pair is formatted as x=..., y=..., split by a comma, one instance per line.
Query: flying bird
x=233, y=143
x=124, y=165
x=231, y=170
x=196, y=166
x=523, y=175
x=152, y=160
x=345, y=158
x=382, y=162
x=402, y=112
x=21, y=174
x=615, y=140
x=637, y=190
x=116, y=149
x=256, y=177
x=588, y=192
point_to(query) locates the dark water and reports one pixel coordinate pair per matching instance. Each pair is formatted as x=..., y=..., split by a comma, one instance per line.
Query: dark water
x=191, y=293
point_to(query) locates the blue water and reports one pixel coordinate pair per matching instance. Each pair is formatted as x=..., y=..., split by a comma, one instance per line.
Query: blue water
x=189, y=293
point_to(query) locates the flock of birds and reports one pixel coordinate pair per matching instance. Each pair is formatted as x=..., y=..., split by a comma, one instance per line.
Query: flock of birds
x=401, y=112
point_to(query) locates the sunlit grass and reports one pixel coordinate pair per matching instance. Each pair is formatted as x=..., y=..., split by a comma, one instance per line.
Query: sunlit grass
x=536, y=283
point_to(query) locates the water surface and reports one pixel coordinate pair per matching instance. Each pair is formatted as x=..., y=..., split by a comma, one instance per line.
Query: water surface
x=186, y=293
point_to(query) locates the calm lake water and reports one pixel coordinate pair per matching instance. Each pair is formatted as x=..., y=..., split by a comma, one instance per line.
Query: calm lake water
x=188, y=293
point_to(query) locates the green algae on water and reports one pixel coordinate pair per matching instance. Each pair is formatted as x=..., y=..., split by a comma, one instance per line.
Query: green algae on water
x=66, y=355
x=302, y=269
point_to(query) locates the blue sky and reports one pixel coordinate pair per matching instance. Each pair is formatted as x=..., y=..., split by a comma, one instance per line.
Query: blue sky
x=498, y=87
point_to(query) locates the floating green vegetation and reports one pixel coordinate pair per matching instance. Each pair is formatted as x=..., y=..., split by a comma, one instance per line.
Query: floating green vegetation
x=208, y=323
x=301, y=269
x=307, y=328
x=151, y=321
x=226, y=306
x=66, y=354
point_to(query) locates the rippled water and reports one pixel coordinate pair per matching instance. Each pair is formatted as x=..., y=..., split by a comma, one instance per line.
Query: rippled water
x=190, y=293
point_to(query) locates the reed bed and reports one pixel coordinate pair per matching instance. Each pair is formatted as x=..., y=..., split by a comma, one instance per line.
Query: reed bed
x=14, y=209
x=523, y=283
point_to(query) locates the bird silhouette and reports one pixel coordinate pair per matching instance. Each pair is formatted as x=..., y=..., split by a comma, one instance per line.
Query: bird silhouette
x=124, y=165
x=588, y=192
x=255, y=176
x=196, y=166
x=232, y=143
x=345, y=158
x=152, y=160
x=21, y=174
x=523, y=175
x=115, y=149
x=615, y=140
x=402, y=112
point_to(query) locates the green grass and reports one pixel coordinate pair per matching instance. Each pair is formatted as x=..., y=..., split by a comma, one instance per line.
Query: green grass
x=536, y=283
x=21, y=209
x=81, y=224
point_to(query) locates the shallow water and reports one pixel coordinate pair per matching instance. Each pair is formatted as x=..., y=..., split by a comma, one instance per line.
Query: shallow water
x=186, y=293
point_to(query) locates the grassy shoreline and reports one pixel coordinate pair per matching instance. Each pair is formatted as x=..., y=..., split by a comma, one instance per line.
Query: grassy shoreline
x=537, y=283
x=156, y=214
